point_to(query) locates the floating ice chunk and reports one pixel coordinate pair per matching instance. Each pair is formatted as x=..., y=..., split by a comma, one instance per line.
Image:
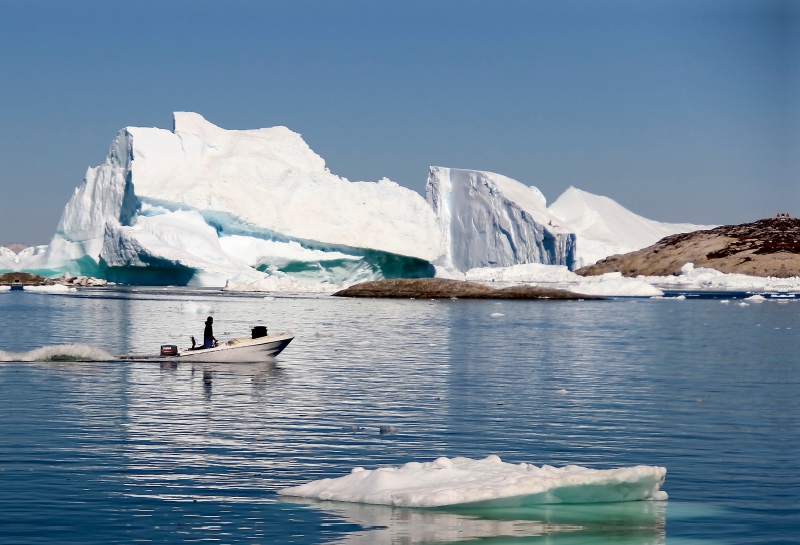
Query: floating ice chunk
x=487, y=482
x=614, y=284
x=743, y=304
x=496, y=314
x=56, y=288
x=680, y=298
x=724, y=302
x=362, y=343
x=756, y=298
x=561, y=392
x=5, y=288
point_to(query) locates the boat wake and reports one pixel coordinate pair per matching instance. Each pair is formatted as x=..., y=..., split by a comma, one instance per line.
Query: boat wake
x=60, y=352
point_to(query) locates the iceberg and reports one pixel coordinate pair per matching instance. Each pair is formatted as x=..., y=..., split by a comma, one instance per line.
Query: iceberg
x=489, y=482
x=258, y=210
x=489, y=220
x=200, y=205
x=7, y=259
x=603, y=227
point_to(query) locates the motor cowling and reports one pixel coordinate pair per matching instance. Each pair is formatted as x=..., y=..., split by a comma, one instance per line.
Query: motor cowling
x=169, y=350
x=259, y=331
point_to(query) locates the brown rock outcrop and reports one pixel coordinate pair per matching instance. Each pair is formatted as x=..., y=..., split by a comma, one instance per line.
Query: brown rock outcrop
x=24, y=279
x=769, y=247
x=441, y=288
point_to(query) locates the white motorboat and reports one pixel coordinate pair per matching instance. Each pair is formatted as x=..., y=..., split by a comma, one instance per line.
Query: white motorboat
x=245, y=350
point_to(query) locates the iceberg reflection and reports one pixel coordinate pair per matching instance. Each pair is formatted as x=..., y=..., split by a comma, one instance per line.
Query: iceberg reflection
x=638, y=522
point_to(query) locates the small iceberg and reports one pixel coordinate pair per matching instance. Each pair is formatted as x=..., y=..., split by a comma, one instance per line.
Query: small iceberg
x=489, y=482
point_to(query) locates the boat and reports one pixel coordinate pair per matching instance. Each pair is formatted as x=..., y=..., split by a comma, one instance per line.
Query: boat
x=245, y=350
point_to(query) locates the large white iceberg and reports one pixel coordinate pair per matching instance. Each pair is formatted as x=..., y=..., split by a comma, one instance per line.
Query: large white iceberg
x=490, y=220
x=7, y=259
x=258, y=209
x=200, y=204
x=603, y=227
x=487, y=482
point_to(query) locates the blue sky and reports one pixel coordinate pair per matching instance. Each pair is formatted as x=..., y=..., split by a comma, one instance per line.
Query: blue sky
x=681, y=111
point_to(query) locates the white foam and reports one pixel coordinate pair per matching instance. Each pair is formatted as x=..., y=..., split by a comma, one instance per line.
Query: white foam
x=63, y=352
x=489, y=481
x=194, y=307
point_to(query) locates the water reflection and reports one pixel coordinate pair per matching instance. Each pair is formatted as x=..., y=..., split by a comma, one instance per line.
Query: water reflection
x=640, y=523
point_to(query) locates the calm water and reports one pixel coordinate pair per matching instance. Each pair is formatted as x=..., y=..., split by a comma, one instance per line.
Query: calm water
x=124, y=452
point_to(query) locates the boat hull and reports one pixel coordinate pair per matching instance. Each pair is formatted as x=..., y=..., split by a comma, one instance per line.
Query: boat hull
x=247, y=351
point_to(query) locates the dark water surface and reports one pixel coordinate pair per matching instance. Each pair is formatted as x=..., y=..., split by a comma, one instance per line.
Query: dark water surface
x=125, y=452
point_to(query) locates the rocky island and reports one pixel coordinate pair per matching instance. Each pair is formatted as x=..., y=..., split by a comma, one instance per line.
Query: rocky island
x=441, y=288
x=768, y=247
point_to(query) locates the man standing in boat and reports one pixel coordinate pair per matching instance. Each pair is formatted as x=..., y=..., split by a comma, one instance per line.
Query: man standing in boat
x=208, y=335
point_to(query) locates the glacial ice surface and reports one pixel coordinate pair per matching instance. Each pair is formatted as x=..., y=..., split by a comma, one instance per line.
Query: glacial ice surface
x=603, y=227
x=490, y=220
x=173, y=207
x=486, y=482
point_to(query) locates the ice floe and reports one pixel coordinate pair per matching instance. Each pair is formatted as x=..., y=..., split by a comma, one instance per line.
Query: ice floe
x=559, y=276
x=490, y=481
x=55, y=288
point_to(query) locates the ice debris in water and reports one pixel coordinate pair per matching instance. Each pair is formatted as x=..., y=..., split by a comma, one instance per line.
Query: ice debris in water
x=362, y=343
x=755, y=298
x=561, y=392
x=681, y=298
x=492, y=482
x=743, y=304
x=61, y=352
x=55, y=288
x=496, y=314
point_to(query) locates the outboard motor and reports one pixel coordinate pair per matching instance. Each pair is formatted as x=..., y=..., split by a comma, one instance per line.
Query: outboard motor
x=169, y=350
x=259, y=331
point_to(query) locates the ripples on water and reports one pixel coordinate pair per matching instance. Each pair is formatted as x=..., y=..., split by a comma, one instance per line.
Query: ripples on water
x=113, y=452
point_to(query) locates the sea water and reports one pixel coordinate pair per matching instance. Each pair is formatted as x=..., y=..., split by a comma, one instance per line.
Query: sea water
x=114, y=452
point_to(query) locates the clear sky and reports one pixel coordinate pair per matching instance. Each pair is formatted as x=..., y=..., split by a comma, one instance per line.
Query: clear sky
x=679, y=110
